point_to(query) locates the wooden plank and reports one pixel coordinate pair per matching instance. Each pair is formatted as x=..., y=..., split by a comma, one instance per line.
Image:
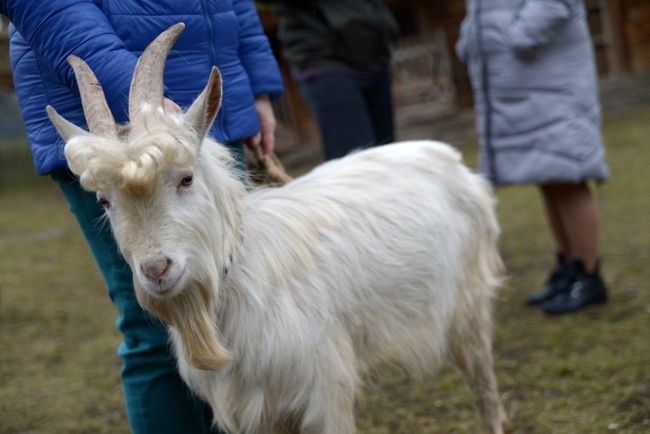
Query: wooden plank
x=637, y=34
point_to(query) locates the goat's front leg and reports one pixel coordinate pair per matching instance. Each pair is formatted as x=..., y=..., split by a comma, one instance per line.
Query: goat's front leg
x=338, y=418
x=331, y=415
x=331, y=406
x=341, y=422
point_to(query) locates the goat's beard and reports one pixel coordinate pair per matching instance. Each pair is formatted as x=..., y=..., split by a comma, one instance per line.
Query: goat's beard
x=192, y=314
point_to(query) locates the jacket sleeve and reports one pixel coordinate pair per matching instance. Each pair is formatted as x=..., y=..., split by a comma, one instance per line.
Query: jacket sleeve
x=536, y=23
x=255, y=52
x=56, y=29
x=461, y=44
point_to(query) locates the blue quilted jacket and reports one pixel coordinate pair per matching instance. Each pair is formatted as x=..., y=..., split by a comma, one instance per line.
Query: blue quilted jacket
x=110, y=35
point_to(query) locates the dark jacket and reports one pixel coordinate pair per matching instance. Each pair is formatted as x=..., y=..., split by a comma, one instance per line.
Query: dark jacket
x=347, y=33
x=532, y=67
x=110, y=35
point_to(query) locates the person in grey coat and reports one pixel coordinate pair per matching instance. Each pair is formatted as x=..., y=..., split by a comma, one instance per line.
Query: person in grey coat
x=532, y=69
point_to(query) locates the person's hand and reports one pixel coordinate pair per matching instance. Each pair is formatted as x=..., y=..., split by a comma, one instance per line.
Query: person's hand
x=266, y=136
x=171, y=107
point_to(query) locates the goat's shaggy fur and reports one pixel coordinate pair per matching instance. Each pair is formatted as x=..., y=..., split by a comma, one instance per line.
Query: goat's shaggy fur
x=281, y=302
x=165, y=141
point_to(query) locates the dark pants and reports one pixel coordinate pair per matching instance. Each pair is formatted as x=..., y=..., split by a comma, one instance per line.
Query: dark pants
x=157, y=400
x=352, y=111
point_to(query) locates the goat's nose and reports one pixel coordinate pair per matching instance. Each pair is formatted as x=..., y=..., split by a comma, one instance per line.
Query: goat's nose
x=155, y=268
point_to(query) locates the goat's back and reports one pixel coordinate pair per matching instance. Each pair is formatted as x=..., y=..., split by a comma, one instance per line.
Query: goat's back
x=380, y=242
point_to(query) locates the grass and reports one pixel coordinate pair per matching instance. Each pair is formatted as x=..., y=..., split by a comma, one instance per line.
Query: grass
x=16, y=166
x=583, y=373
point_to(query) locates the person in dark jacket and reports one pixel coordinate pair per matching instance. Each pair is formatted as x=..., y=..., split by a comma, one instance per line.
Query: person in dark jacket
x=339, y=55
x=110, y=36
x=532, y=69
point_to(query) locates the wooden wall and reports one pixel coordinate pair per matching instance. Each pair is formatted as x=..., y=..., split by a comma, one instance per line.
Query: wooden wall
x=620, y=31
x=6, y=80
x=635, y=16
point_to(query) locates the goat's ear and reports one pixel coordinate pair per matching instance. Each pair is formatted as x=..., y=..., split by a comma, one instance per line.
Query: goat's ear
x=203, y=111
x=66, y=129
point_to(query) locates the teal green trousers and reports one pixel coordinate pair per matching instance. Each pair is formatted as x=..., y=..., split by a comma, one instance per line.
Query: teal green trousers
x=157, y=400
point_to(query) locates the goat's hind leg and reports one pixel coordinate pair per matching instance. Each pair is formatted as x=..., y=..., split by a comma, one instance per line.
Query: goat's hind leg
x=471, y=351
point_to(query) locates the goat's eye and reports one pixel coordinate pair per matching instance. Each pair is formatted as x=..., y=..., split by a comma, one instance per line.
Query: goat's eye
x=104, y=202
x=187, y=180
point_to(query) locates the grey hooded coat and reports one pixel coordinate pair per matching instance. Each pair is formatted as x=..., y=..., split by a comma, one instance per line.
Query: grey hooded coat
x=532, y=69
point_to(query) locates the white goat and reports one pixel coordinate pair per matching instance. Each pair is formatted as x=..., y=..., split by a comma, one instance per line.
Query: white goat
x=281, y=301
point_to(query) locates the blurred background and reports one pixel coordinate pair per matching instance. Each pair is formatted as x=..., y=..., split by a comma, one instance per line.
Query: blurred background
x=431, y=90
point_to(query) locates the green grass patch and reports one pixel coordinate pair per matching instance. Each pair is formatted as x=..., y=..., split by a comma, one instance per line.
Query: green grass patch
x=16, y=166
x=587, y=372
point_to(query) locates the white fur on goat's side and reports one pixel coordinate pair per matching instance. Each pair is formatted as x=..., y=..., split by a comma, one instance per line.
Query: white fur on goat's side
x=386, y=257
x=281, y=302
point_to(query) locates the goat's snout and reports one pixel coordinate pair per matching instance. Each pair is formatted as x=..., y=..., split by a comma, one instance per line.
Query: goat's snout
x=160, y=273
x=156, y=268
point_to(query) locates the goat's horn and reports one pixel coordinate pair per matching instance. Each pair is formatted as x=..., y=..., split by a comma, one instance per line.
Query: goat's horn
x=147, y=83
x=66, y=129
x=98, y=115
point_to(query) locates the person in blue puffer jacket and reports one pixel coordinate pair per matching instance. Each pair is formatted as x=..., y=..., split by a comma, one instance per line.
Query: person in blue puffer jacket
x=110, y=35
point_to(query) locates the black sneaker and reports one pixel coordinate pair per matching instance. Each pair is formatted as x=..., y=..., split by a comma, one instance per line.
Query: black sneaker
x=561, y=278
x=587, y=289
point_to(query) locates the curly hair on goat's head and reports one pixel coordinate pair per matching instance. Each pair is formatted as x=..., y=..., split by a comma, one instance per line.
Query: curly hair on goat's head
x=133, y=162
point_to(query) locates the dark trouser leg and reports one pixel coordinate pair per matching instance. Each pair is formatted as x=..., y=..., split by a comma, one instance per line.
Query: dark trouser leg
x=338, y=103
x=157, y=400
x=380, y=106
